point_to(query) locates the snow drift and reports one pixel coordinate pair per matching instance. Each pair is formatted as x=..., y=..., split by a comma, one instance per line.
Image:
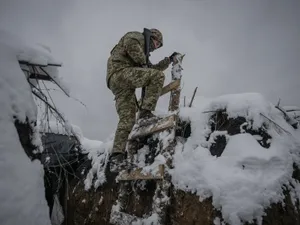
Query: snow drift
x=22, y=194
x=247, y=178
x=243, y=182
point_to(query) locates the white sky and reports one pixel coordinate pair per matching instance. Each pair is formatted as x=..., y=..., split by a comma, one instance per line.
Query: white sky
x=231, y=46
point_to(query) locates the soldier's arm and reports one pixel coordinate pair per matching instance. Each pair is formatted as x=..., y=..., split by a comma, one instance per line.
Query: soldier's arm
x=162, y=65
x=135, y=51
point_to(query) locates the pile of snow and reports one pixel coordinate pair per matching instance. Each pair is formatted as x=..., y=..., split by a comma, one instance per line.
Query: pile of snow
x=247, y=178
x=99, y=159
x=37, y=54
x=22, y=193
x=63, y=128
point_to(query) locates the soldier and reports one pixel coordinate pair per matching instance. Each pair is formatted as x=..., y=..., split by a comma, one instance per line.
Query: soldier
x=128, y=68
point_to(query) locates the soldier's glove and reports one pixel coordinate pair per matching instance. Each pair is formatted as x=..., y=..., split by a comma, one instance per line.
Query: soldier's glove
x=172, y=57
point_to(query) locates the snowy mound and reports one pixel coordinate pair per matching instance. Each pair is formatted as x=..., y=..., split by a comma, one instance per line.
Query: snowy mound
x=248, y=176
x=99, y=159
x=22, y=197
x=236, y=161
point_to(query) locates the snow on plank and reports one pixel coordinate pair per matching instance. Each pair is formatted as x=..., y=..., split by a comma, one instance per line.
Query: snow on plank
x=138, y=174
x=143, y=130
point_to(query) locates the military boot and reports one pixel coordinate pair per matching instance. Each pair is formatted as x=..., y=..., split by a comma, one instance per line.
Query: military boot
x=117, y=161
x=146, y=114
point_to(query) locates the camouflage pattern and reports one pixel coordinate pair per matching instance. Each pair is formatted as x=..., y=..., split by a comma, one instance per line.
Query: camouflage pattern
x=129, y=52
x=161, y=65
x=157, y=35
x=125, y=73
x=123, y=85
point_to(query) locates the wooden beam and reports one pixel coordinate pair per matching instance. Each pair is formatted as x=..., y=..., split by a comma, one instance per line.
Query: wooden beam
x=35, y=64
x=174, y=99
x=137, y=174
x=171, y=86
x=143, y=130
x=190, y=105
x=39, y=77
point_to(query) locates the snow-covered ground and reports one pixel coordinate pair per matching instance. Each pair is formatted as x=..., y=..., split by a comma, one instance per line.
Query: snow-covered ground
x=247, y=178
x=99, y=157
x=22, y=194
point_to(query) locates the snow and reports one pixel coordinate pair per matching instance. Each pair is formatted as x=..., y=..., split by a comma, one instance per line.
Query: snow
x=117, y=217
x=57, y=215
x=59, y=128
x=98, y=155
x=217, y=221
x=177, y=68
x=247, y=178
x=293, y=112
x=154, y=167
x=22, y=196
x=36, y=56
x=151, y=220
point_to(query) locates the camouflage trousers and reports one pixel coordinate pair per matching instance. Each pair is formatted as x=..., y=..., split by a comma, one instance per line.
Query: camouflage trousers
x=123, y=85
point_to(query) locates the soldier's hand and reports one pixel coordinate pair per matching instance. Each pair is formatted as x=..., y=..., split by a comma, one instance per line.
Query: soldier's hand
x=149, y=65
x=172, y=57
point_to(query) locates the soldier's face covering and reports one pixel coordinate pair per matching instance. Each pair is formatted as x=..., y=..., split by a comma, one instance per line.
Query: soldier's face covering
x=154, y=44
x=157, y=44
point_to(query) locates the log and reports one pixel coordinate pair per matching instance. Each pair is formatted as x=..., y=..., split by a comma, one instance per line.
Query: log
x=174, y=99
x=137, y=174
x=171, y=86
x=156, y=126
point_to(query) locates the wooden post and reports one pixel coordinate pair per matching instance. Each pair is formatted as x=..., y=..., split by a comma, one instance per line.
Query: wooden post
x=176, y=76
x=173, y=85
x=190, y=105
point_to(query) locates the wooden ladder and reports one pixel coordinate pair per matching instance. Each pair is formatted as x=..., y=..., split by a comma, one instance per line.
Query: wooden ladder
x=154, y=130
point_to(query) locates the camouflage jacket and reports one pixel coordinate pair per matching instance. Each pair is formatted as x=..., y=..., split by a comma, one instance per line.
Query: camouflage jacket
x=130, y=52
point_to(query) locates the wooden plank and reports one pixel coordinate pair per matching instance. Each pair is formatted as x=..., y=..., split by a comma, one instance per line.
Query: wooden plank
x=174, y=100
x=171, y=86
x=156, y=126
x=35, y=64
x=137, y=174
x=39, y=77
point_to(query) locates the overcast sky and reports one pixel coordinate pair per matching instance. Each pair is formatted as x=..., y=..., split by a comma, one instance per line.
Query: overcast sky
x=231, y=46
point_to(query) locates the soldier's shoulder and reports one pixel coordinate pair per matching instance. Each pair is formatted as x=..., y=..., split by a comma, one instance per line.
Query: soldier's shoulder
x=134, y=34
